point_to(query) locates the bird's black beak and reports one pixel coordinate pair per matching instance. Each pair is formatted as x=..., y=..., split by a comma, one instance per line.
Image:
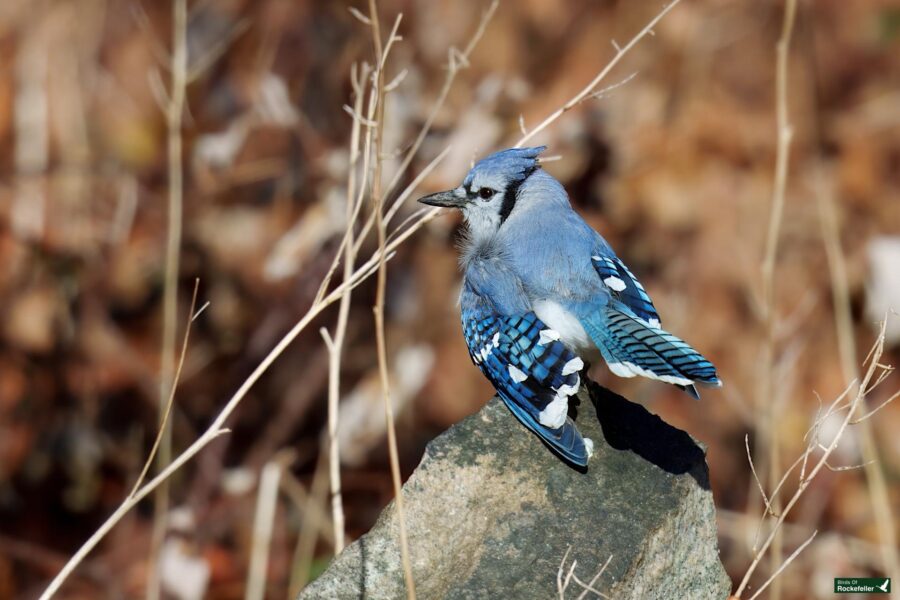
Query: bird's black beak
x=450, y=199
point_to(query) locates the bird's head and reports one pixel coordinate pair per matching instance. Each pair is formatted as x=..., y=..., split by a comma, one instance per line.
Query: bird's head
x=489, y=191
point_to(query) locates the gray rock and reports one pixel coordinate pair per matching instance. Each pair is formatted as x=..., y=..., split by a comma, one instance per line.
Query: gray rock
x=491, y=513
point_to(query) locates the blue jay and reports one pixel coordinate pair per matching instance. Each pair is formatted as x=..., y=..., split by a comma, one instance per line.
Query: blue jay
x=543, y=293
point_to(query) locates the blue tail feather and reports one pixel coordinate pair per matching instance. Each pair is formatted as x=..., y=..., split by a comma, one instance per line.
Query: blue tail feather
x=631, y=346
x=566, y=440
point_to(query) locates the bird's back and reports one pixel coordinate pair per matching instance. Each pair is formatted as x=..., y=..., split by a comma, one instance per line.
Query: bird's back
x=550, y=246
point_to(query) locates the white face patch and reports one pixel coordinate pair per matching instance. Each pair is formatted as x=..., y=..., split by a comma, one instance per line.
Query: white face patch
x=614, y=283
x=482, y=220
x=482, y=215
x=554, y=416
x=547, y=336
x=516, y=374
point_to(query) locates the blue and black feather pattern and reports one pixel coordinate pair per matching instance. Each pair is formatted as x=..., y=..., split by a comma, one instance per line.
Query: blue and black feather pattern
x=632, y=347
x=635, y=344
x=625, y=287
x=527, y=370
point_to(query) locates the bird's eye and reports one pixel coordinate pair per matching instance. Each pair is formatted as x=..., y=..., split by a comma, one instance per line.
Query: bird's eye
x=485, y=193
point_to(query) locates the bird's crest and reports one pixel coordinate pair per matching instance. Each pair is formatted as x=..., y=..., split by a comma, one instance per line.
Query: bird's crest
x=515, y=163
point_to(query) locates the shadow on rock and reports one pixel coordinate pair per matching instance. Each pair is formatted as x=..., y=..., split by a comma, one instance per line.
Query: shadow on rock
x=630, y=426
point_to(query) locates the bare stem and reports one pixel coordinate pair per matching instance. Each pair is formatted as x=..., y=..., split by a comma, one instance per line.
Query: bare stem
x=174, y=113
x=784, y=565
x=171, y=401
x=336, y=343
x=767, y=404
x=378, y=208
x=456, y=61
x=843, y=321
x=815, y=445
x=588, y=90
x=263, y=524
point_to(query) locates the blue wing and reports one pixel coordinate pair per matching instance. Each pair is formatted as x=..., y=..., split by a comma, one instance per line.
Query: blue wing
x=629, y=336
x=533, y=373
x=624, y=286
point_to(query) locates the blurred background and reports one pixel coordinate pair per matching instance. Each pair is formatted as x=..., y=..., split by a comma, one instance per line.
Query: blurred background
x=674, y=167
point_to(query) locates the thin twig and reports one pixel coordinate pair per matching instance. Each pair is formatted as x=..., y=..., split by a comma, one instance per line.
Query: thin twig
x=590, y=585
x=843, y=320
x=217, y=427
x=821, y=462
x=801, y=460
x=378, y=308
x=587, y=587
x=335, y=347
x=784, y=565
x=359, y=90
x=845, y=468
x=425, y=172
x=359, y=15
x=869, y=414
x=766, y=404
x=755, y=476
x=604, y=91
x=171, y=400
x=563, y=582
x=263, y=524
x=559, y=574
x=589, y=89
x=174, y=114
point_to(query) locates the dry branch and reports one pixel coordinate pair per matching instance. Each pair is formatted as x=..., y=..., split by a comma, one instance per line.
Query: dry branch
x=174, y=112
x=843, y=322
x=814, y=444
x=381, y=54
x=588, y=90
x=766, y=401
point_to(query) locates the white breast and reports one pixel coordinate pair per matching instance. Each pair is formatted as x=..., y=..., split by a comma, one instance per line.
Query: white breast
x=571, y=333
